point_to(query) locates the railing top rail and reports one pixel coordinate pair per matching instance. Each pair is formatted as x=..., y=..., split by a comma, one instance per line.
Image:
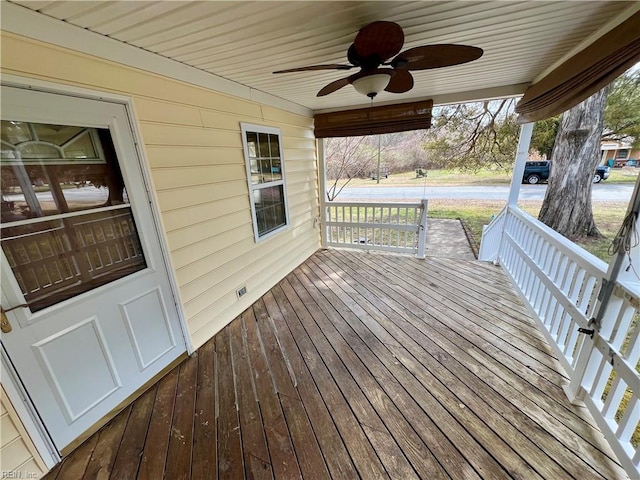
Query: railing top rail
x=565, y=245
x=373, y=204
x=497, y=218
x=629, y=291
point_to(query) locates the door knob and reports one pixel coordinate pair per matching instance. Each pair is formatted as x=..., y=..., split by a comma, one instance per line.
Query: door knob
x=5, y=325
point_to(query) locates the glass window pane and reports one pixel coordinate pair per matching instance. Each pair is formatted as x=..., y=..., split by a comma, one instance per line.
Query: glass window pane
x=15, y=132
x=39, y=151
x=269, y=205
x=255, y=171
x=8, y=153
x=81, y=147
x=36, y=143
x=56, y=134
x=262, y=222
x=275, y=146
x=263, y=139
x=42, y=183
x=56, y=260
x=252, y=144
x=276, y=169
x=265, y=170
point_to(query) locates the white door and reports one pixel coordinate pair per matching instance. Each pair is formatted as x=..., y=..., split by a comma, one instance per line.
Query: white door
x=84, y=284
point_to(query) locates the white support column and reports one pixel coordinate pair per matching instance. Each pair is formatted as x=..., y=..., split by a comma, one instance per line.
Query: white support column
x=521, y=158
x=522, y=154
x=322, y=193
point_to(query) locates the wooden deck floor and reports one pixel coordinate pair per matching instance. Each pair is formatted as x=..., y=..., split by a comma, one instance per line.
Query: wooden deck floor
x=364, y=366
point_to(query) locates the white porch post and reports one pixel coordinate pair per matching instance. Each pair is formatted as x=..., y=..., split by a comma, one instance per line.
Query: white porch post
x=322, y=187
x=522, y=153
x=521, y=158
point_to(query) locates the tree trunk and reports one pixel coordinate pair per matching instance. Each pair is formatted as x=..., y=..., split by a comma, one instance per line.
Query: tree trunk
x=576, y=153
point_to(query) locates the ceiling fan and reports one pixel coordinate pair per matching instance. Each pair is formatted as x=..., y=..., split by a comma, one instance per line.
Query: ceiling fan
x=372, y=48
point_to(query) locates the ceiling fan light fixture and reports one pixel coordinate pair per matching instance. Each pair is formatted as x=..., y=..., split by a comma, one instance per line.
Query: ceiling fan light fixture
x=371, y=85
x=374, y=46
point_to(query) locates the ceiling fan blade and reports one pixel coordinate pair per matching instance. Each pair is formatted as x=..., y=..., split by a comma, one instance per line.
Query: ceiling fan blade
x=436, y=56
x=331, y=66
x=381, y=39
x=401, y=81
x=333, y=86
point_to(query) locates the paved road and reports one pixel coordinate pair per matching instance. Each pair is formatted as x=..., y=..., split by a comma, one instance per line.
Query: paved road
x=601, y=192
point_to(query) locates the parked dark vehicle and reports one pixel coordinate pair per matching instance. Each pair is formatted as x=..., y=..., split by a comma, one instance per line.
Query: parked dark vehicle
x=538, y=171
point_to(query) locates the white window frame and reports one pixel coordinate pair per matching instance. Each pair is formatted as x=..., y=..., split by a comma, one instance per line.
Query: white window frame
x=251, y=128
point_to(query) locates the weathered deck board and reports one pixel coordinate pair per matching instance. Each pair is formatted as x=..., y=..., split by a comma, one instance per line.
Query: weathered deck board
x=155, y=452
x=366, y=366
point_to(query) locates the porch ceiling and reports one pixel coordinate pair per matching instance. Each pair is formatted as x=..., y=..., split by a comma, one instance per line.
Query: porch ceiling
x=246, y=41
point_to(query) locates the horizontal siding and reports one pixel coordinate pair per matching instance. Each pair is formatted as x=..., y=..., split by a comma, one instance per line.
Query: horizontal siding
x=231, y=308
x=179, y=177
x=195, y=214
x=201, y=285
x=193, y=145
x=160, y=156
x=18, y=456
x=175, y=198
x=186, y=135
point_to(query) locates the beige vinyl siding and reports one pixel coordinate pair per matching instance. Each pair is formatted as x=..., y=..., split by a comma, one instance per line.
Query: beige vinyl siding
x=193, y=145
x=18, y=456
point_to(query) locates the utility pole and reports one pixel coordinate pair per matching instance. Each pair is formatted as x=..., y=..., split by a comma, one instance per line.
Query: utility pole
x=378, y=175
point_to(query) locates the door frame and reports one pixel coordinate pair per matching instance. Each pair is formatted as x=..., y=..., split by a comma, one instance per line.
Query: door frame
x=16, y=393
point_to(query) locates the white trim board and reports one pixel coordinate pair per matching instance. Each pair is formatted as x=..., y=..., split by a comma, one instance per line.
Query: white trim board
x=27, y=413
x=28, y=23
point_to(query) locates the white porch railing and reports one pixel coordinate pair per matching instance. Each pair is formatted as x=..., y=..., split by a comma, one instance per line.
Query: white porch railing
x=562, y=286
x=390, y=227
x=491, y=237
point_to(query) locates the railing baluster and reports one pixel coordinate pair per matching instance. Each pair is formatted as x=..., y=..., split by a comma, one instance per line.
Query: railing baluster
x=562, y=284
x=621, y=325
x=630, y=419
x=614, y=397
x=388, y=227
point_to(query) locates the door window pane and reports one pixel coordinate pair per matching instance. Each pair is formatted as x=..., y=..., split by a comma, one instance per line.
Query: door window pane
x=75, y=170
x=73, y=173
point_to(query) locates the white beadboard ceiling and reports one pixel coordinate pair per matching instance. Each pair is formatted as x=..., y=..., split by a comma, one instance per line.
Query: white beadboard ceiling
x=245, y=41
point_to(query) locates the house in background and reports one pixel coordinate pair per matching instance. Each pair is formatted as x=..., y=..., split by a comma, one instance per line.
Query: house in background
x=160, y=179
x=617, y=154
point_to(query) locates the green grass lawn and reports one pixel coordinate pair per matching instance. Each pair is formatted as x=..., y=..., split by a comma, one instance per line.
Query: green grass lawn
x=608, y=216
x=477, y=213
